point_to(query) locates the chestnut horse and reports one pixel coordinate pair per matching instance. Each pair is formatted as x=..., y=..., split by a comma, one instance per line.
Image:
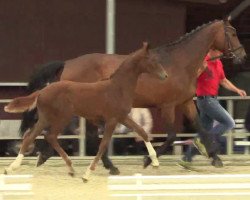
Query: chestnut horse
x=181, y=59
x=108, y=100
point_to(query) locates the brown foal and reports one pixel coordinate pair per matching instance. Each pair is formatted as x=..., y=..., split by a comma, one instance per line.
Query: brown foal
x=108, y=100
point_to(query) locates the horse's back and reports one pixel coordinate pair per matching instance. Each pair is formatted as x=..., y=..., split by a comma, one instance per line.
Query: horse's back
x=91, y=67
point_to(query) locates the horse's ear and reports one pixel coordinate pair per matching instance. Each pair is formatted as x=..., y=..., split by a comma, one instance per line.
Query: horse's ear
x=229, y=18
x=226, y=19
x=145, y=46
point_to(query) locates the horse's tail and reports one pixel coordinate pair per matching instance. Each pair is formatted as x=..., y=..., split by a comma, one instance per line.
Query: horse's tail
x=21, y=104
x=46, y=73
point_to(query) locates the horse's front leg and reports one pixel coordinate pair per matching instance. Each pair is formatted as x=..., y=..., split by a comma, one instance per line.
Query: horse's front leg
x=28, y=139
x=109, y=128
x=152, y=154
x=168, y=113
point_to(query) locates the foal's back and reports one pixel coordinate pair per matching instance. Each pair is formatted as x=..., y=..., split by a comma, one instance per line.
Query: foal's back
x=103, y=99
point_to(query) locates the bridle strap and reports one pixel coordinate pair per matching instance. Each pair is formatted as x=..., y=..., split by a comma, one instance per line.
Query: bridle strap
x=230, y=51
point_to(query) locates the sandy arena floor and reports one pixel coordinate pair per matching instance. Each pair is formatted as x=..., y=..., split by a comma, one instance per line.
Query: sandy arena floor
x=51, y=182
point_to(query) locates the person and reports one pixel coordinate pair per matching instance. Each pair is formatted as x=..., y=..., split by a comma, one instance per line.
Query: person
x=143, y=117
x=210, y=110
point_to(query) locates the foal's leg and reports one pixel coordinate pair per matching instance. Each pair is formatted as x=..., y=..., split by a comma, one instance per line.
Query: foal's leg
x=27, y=140
x=152, y=154
x=109, y=128
x=168, y=114
x=94, y=141
x=51, y=137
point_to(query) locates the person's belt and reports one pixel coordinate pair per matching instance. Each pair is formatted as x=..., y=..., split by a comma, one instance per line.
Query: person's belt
x=204, y=97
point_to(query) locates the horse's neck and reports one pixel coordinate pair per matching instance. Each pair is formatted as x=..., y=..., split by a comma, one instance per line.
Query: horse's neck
x=193, y=49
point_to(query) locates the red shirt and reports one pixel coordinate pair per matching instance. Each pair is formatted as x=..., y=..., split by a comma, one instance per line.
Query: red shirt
x=209, y=80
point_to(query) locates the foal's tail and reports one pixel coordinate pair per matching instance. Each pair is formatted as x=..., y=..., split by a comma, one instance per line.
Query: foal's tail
x=22, y=104
x=47, y=73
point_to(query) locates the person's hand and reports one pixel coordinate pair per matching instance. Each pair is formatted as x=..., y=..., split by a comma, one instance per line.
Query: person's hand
x=204, y=63
x=242, y=93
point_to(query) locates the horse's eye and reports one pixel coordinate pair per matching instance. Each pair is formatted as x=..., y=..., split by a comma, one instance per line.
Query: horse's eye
x=234, y=34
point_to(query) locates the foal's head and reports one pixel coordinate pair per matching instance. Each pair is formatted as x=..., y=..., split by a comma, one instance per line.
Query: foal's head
x=149, y=62
x=227, y=41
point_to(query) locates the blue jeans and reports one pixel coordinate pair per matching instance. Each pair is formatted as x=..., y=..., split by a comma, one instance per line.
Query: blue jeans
x=211, y=111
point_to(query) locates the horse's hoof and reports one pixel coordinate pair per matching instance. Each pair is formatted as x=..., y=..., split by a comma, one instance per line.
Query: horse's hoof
x=147, y=161
x=42, y=158
x=217, y=162
x=72, y=174
x=85, y=180
x=114, y=171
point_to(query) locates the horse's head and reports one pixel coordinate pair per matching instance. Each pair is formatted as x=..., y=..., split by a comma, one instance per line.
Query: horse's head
x=150, y=62
x=228, y=42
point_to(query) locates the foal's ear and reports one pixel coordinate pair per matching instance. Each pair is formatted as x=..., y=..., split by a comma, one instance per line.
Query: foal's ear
x=145, y=46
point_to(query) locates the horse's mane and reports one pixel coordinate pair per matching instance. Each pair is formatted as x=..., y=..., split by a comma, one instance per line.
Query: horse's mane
x=186, y=36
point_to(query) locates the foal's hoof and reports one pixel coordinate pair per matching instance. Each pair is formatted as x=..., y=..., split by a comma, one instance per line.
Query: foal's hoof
x=5, y=171
x=155, y=166
x=114, y=171
x=85, y=180
x=147, y=161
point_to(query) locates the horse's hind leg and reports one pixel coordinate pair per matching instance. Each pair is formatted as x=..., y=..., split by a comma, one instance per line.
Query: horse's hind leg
x=207, y=139
x=92, y=142
x=152, y=154
x=109, y=128
x=27, y=140
x=51, y=137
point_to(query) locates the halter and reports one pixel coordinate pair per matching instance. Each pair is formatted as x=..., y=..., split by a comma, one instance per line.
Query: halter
x=230, y=51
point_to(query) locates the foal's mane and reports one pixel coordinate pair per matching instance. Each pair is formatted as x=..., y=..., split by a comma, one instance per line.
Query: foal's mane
x=184, y=37
x=131, y=56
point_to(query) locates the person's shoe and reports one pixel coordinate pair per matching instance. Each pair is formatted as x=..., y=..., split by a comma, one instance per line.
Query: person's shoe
x=217, y=162
x=42, y=158
x=184, y=164
x=200, y=147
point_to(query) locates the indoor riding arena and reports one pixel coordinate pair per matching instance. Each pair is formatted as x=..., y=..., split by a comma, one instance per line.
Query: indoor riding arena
x=86, y=45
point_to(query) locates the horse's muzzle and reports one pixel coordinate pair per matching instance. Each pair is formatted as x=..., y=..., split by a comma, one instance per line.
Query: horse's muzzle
x=239, y=60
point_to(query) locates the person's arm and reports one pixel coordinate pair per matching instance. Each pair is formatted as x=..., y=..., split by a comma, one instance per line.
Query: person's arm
x=202, y=68
x=230, y=86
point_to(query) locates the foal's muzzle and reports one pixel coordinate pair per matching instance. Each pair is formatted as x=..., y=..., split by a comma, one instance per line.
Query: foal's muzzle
x=163, y=75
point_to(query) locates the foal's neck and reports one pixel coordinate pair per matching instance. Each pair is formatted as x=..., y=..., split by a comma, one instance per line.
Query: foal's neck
x=127, y=75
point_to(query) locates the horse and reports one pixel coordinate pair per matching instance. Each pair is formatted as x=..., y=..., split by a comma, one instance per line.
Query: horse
x=181, y=59
x=108, y=100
